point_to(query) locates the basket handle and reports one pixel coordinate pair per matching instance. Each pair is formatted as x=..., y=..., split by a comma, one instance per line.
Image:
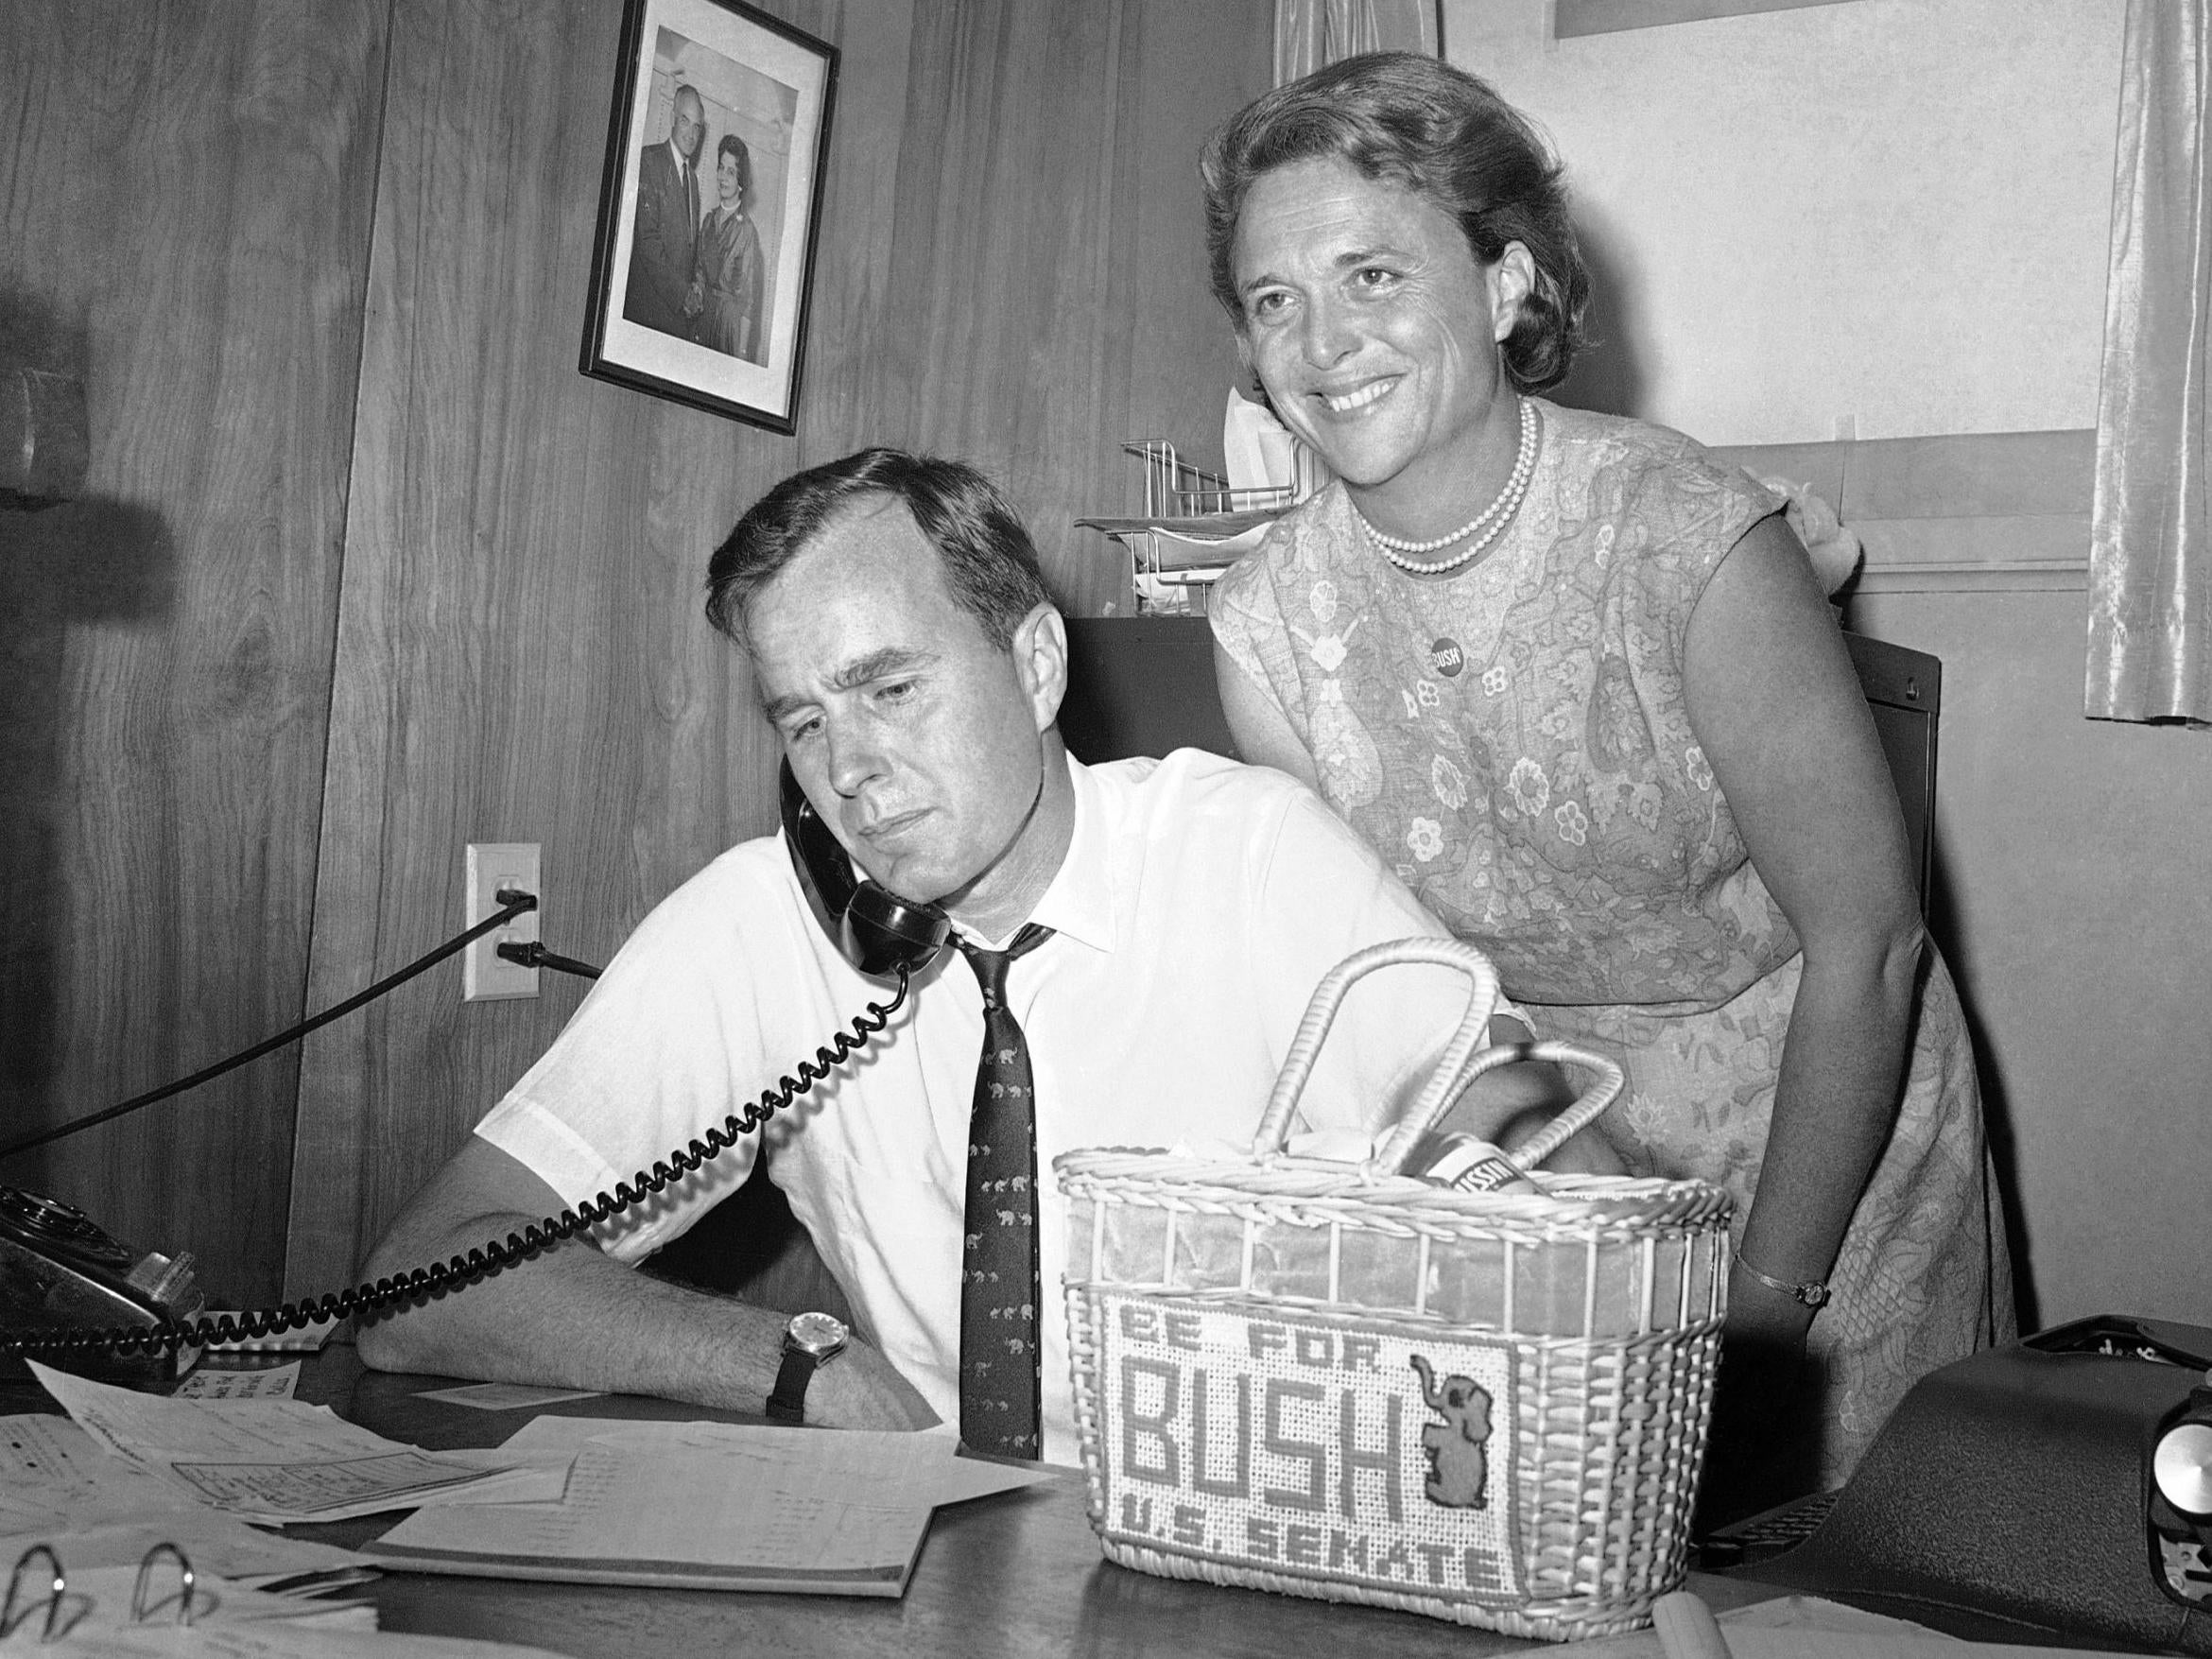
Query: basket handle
x=1392, y=1156
x=1275, y=1126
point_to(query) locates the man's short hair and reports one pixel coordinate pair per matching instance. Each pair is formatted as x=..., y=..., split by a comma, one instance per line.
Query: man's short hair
x=990, y=563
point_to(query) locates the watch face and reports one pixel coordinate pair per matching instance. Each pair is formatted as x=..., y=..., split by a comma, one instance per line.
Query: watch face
x=817, y=1334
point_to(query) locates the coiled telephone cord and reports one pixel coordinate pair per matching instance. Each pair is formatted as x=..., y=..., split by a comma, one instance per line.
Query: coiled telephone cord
x=458, y=1271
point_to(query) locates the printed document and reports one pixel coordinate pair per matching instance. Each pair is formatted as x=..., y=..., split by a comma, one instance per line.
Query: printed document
x=711, y=1505
x=279, y=1460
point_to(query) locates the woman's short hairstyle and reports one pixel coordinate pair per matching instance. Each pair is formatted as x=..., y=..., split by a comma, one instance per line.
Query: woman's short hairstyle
x=1415, y=122
x=990, y=566
x=734, y=146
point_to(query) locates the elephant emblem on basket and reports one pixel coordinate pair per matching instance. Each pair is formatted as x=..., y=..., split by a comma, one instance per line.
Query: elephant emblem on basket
x=1458, y=1448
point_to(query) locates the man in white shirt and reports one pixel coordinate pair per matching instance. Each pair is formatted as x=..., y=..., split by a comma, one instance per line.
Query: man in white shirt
x=1170, y=919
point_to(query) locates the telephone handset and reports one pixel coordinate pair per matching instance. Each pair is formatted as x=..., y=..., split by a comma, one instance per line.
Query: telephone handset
x=881, y=934
x=46, y=1249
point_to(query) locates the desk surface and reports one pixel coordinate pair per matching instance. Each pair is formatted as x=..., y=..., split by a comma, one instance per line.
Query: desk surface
x=1017, y=1574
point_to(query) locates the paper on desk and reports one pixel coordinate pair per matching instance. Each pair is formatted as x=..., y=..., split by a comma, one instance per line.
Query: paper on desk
x=278, y=1640
x=280, y=1460
x=504, y=1396
x=1756, y=1643
x=962, y=1479
x=713, y=1505
x=275, y=1382
x=1809, y=1627
x=59, y=1488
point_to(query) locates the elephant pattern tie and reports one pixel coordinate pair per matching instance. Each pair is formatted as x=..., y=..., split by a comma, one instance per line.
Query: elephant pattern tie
x=1001, y=1361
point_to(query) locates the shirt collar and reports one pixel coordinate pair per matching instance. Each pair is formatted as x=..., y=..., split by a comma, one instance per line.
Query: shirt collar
x=1080, y=903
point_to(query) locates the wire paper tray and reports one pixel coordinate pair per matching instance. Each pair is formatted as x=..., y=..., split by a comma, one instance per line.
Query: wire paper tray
x=1338, y=1381
x=1193, y=526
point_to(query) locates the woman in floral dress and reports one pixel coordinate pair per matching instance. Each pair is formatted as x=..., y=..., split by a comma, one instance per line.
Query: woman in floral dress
x=1575, y=678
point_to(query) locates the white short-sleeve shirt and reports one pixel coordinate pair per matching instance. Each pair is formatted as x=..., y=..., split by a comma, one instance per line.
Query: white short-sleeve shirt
x=1200, y=903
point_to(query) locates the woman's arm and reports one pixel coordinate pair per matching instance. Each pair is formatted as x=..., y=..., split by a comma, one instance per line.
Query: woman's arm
x=1777, y=708
x=1263, y=733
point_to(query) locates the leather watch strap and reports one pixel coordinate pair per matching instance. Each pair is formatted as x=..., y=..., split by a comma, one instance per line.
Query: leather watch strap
x=811, y=1341
x=787, y=1403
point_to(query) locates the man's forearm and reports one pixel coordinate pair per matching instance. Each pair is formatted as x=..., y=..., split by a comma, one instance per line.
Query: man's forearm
x=572, y=1316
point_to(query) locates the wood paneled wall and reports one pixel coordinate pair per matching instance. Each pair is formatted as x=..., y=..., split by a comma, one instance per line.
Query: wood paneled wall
x=1010, y=271
x=186, y=196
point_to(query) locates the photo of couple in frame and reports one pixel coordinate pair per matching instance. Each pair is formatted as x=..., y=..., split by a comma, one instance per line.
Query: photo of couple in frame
x=704, y=262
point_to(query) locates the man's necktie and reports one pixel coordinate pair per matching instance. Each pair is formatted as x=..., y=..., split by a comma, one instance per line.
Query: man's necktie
x=1001, y=1363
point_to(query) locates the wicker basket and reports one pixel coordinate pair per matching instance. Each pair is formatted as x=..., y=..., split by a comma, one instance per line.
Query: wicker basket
x=1335, y=1380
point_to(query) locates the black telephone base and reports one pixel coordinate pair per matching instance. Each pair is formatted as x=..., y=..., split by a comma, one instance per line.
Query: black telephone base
x=61, y=1274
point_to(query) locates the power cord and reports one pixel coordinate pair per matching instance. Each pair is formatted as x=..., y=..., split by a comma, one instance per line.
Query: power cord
x=513, y=903
x=534, y=955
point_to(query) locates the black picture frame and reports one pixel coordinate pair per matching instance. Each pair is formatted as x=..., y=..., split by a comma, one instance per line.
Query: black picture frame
x=731, y=336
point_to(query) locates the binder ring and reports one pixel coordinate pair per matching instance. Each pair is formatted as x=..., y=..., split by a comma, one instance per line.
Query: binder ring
x=139, y=1607
x=53, y=1596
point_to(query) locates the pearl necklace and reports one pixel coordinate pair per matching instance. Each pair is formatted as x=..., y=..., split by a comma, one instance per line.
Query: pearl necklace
x=1397, y=550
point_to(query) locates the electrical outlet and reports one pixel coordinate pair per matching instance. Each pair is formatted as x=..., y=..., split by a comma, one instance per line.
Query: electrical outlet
x=493, y=866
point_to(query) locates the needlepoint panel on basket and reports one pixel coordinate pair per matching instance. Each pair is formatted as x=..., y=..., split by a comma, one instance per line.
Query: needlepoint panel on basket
x=1294, y=1442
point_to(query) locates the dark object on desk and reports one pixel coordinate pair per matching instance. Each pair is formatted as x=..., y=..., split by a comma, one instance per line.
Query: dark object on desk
x=58, y=1272
x=2009, y=1497
x=1145, y=685
x=1761, y=1537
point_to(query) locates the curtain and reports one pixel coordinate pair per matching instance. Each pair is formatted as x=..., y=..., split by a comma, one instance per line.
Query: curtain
x=1309, y=33
x=2151, y=531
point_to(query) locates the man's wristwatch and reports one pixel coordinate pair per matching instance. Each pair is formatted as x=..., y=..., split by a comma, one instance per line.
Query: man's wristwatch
x=811, y=1341
x=1813, y=1294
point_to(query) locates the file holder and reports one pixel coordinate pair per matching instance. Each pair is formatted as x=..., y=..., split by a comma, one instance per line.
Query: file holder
x=1194, y=526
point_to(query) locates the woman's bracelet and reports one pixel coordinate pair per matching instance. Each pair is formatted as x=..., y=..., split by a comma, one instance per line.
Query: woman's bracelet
x=1813, y=1294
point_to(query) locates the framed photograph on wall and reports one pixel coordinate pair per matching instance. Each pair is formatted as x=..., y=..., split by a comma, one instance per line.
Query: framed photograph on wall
x=704, y=260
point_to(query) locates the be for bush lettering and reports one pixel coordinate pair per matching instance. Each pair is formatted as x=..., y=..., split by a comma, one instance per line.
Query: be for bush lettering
x=1298, y=1459
x=1321, y=1440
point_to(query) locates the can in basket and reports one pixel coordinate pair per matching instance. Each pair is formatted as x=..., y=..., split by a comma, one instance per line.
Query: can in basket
x=1342, y=1381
